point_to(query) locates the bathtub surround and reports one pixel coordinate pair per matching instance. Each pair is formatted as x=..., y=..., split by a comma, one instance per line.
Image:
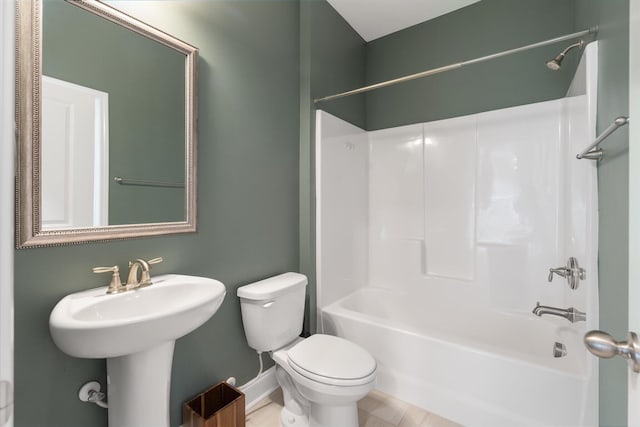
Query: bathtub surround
x=482, y=28
x=441, y=241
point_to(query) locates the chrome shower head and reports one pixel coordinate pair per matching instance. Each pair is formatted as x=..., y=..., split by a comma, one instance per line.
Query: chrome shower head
x=555, y=63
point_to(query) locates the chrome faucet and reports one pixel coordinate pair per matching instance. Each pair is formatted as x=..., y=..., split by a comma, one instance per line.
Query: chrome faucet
x=571, y=314
x=145, y=276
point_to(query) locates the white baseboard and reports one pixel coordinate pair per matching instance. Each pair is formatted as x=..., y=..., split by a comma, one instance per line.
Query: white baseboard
x=260, y=389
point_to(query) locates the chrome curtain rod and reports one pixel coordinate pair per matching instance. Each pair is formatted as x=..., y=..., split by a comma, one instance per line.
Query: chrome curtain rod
x=147, y=183
x=455, y=66
x=589, y=152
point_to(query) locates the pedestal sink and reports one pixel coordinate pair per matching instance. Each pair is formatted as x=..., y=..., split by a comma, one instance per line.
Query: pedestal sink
x=136, y=332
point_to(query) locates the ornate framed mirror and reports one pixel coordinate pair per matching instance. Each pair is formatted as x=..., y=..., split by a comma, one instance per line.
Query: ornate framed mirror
x=106, y=112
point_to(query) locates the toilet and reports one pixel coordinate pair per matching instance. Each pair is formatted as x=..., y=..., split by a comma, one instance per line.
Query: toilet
x=322, y=377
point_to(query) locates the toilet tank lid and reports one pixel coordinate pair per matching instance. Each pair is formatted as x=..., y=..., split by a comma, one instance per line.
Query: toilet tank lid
x=272, y=287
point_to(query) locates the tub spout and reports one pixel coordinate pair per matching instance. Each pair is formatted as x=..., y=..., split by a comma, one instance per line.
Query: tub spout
x=571, y=314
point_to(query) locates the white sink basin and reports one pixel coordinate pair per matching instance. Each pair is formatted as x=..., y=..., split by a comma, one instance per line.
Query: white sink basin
x=136, y=332
x=93, y=324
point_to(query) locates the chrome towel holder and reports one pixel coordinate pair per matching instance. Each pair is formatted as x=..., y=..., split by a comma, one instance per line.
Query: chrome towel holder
x=593, y=153
x=147, y=182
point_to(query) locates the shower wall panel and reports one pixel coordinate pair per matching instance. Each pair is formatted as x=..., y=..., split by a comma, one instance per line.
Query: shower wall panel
x=450, y=197
x=520, y=181
x=396, y=204
x=342, y=179
x=482, y=201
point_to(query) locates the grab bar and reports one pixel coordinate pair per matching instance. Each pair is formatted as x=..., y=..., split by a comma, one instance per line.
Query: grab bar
x=147, y=183
x=589, y=152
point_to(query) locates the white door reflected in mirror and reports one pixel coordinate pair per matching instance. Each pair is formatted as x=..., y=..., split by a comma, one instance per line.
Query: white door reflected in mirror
x=75, y=156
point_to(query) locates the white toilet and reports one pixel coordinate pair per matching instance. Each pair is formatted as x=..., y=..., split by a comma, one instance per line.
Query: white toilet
x=322, y=377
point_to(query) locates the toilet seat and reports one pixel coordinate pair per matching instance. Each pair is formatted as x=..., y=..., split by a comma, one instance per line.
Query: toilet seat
x=332, y=360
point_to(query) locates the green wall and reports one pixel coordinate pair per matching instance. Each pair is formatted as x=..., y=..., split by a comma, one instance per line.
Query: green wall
x=481, y=29
x=262, y=63
x=248, y=211
x=612, y=18
x=332, y=59
x=146, y=109
x=337, y=61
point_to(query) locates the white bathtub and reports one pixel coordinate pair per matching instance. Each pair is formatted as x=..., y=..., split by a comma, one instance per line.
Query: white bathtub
x=471, y=365
x=434, y=241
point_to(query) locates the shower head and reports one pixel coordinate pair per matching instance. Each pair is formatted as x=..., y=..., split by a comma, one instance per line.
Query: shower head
x=555, y=63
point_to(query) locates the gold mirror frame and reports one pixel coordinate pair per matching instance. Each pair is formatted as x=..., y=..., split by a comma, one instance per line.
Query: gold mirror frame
x=28, y=121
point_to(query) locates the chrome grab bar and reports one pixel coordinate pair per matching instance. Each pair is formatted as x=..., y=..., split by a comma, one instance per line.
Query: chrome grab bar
x=589, y=152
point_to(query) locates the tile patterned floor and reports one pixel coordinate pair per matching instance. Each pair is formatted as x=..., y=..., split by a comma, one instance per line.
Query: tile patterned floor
x=375, y=410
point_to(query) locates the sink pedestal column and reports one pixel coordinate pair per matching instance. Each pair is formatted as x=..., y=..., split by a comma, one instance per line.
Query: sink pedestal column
x=138, y=387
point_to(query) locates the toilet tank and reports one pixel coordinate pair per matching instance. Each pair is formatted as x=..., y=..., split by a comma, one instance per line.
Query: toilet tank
x=273, y=310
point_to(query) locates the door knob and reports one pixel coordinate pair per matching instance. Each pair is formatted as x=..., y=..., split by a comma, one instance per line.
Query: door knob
x=603, y=345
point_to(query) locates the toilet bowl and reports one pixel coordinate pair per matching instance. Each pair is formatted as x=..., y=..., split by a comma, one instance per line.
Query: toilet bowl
x=331, y=374
x=322, y=377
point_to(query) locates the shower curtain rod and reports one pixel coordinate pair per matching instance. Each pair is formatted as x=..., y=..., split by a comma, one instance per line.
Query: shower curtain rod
x=457, y=65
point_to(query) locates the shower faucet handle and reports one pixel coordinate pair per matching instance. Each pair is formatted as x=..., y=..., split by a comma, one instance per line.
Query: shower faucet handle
x=560, y=271
x=572, y=272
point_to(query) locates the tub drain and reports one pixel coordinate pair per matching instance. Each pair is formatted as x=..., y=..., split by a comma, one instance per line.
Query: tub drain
x=559, y=350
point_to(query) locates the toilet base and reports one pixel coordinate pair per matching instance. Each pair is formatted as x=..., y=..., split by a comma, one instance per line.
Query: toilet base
x=332, y=416
x=289, y=419
x=322, y=416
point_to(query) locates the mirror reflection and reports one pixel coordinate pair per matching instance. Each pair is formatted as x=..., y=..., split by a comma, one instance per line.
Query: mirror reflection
x=113, y=123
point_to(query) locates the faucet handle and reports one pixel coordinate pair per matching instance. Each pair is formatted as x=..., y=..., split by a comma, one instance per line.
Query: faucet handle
x=572, y=272
x=115, y=285
x=560, y=271
x=113, y=269
x=146, y=275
